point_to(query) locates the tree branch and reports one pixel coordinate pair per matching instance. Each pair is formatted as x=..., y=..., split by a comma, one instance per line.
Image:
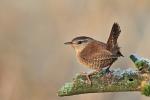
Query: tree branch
x=117, y=81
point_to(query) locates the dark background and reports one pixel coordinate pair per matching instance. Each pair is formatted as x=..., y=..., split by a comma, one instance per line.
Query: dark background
x=34, y=62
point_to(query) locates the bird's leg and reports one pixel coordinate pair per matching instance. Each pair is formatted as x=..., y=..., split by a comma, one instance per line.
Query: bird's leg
x=107, y=70
x=90, y=74
x=87, y=77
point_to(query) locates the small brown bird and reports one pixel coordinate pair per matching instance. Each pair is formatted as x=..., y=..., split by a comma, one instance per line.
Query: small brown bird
x=95, y=54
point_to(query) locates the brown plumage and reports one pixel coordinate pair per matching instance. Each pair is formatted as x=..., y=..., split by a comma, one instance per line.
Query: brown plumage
x=95, y=54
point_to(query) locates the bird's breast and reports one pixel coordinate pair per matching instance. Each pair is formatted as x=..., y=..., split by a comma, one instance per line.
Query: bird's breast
x=84, y=61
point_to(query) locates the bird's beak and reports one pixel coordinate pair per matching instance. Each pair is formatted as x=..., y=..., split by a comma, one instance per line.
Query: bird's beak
x=68, y=43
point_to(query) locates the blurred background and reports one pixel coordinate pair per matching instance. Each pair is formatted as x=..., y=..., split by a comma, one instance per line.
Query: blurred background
x=34, y=62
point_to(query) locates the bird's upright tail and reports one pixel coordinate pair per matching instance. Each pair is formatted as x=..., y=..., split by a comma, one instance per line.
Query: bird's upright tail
x=112, y=44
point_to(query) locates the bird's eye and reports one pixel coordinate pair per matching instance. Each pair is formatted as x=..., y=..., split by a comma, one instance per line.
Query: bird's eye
x=79, y=42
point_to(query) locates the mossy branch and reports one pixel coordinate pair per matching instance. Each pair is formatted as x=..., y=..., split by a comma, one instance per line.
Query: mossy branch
x=117, y=81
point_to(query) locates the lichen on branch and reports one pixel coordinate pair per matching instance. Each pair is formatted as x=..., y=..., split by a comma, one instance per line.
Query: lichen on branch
x=118, y=80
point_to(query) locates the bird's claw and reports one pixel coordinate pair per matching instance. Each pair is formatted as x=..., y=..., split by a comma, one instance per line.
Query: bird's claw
x=109, y=74
x=88, y=82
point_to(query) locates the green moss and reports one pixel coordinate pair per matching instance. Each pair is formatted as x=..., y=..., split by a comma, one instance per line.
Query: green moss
x=134, y=58
x=146, y=90
x=120, y=80
x=141, y=64
x=66, y=89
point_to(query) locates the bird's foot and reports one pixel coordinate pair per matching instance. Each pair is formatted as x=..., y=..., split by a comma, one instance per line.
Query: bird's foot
x=88, y=81
x=108, y=73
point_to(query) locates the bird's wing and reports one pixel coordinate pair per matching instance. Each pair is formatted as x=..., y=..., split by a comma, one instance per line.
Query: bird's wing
x=114, y=34
x=102, y=59
x=103, y=55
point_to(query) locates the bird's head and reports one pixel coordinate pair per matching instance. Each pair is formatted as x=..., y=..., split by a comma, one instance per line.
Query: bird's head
x=79, y=43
